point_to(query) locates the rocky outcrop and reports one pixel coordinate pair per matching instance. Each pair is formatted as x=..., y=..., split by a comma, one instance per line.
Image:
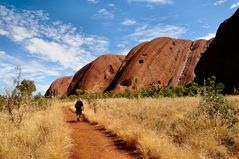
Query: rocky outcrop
x=222, y=57
x=97, y=75
x=162, y=62
x=59, y=86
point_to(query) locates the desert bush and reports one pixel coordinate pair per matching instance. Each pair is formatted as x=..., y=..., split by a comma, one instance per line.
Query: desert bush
x=213, y=123
x=215, y=106
x=149, y=92
x=72, y=97
x=31, y=126
x=18, y=99
x=2, y=100
x=41, y=134
x=15, y=104
x=127, y=94
x=180, y=91
x=156, y=92
x=79, y=92
x=40, y=102
x=193, y=89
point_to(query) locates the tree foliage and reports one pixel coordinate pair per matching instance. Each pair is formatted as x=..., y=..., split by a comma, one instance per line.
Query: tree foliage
x=27, y=87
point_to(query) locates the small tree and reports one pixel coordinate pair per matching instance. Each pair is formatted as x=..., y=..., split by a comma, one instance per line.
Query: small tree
x=27, y=87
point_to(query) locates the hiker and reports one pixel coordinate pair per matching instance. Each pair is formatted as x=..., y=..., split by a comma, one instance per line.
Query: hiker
x=79, y=108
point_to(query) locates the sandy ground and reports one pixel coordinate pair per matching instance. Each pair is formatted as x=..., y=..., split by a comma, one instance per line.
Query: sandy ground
x=94, y=142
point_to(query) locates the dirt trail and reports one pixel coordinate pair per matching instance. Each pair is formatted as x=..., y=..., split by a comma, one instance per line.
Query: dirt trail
x=93, y=142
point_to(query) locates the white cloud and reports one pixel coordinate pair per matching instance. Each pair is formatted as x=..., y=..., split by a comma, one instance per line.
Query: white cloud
x=111, y=5
x=50, y=45
x=234, y=5
x=5, y=57
x=30, y=69
x=146, y=33
x=50, y=41
x=103, y=14
x=153, y=1
x=128, y=22
x=208, y=37
x=2, y=53
x=125, y=52
x=218, y=2
x=206, y=26
x=6, y=69
x=34, y=68
x=93, y=1
x=121, y=45
x=20, y=33
x=3, y=32
x=49, y=49
x=42, y=88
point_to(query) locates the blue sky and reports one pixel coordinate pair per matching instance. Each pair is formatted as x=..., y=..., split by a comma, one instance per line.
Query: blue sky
x=54, y=38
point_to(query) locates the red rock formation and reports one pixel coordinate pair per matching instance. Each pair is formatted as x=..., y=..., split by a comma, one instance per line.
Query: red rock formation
x=165, y=62
x=59, y=86
x=97, y=75
x=162, y=61
x=222, y=57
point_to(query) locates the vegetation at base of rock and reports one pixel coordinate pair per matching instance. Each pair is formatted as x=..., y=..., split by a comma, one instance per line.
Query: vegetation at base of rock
x=155, y=92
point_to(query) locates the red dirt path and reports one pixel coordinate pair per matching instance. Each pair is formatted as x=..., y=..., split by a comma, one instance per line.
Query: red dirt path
x=93, y=142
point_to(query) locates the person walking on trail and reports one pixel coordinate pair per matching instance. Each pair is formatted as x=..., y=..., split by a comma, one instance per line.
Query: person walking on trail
x=79, y=108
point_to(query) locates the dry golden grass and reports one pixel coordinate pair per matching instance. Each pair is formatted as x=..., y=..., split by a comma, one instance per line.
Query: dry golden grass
x=155, y=127
x=41, y=134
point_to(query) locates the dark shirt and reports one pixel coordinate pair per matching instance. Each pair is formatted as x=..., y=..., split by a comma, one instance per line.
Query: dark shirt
x=79, y=105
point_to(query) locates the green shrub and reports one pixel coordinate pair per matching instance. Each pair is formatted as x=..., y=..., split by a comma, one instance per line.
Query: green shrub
x=214, y=112
x=180, y=91
x=193, y=89
x=215, y=106
x=149, y=92
x=167, y=92
x=72, y=97
x=127, y=94
x=40, y=102
x=79, y=92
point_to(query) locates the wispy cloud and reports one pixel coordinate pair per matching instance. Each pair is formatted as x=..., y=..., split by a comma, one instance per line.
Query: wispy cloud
x=42, y=88
x=218, y=2
x=111, y=5
x=153, y=1
x=235, y=5
x=146, y=32
x=104, y=14
x=93, y=1
x=123, y=47
x=208, y=36
x=54, y=47
x=206, y=26
x=50, y=41
x=31, y=69
x=128, y=22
